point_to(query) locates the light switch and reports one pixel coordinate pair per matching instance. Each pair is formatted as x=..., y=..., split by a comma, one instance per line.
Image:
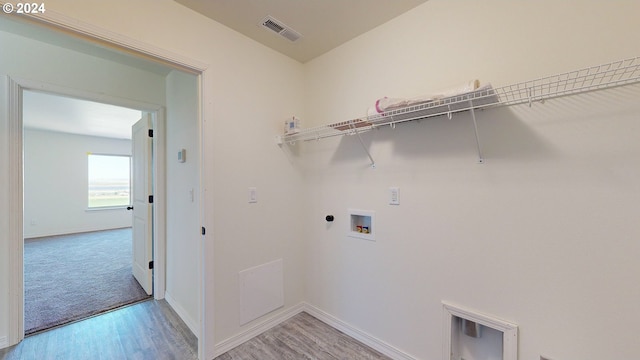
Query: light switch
x=253, y=195
x=394, y=196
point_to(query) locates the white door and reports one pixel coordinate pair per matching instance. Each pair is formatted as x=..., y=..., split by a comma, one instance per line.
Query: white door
x=141, y=175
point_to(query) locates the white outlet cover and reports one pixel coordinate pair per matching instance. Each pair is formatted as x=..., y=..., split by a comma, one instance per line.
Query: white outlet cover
x=394, y=195
x=253, y=195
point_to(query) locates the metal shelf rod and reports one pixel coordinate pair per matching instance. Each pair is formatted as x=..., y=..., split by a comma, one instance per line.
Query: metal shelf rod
x=364, y=147
x=475, y=129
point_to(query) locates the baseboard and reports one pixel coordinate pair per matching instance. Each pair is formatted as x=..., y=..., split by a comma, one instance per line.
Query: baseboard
x=323, y=316
x=70, y=231
x=257, y=329
x=358, y=334
x=4, y=342
x=184, y=315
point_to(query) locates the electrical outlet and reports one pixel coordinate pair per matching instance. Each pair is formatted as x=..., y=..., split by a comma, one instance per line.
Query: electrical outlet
x=253, y=195
x=394, y=196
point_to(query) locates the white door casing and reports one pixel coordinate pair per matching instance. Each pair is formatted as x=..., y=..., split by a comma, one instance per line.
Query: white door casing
x=206, y=342
x=141, y=186
x=14, y=87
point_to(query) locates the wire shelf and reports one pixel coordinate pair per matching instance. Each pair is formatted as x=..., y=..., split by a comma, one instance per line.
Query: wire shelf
x=599, y=77
x=618, y=73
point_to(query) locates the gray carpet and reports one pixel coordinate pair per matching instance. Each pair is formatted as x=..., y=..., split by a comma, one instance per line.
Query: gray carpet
x=70, y=277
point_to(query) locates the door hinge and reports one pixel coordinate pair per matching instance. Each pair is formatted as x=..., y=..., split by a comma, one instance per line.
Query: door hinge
x=151, y=265
x=150, y=132
x=150, y=199
x=203, y=230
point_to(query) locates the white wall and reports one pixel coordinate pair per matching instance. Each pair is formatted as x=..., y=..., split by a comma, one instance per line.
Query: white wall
x=550, y=216
x=38, y=60
x=183, y=194
x=544, y=234
x=55, y=183
x=242, y=114
x=24, y=58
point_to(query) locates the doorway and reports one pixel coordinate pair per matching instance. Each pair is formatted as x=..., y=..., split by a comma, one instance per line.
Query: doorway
x=79, y=159
x=85, y=70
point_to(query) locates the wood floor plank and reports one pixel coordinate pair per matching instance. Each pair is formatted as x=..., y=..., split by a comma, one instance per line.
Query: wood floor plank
x=152, y=330
x=149, y=330
x=299, y=338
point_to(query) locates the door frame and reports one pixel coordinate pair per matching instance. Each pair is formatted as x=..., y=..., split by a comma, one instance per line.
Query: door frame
x=65, y=24
x=17, y=86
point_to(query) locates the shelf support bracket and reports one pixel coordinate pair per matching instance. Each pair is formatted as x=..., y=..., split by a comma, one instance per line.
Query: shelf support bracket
x=475, y=129
x=364, y=147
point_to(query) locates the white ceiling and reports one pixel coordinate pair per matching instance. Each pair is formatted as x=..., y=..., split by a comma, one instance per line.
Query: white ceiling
x=323, y=24
x=63, y=114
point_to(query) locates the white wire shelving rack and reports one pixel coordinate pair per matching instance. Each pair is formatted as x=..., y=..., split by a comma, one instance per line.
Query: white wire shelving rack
x=600, y=77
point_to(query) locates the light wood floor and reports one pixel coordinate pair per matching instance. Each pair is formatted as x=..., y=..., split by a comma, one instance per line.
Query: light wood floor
x=302, y=337
x=148, y=330
x=152, y=330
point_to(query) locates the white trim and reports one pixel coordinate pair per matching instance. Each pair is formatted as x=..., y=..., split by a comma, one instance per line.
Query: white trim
x=15, y=231
x=280, y=317
x=3, y=342
x=95, y=33
x=191, y=323
x=365, y=338
x=98, y=34
x=160, y=204
x=106, y=208
x=67, y=231
x=37, y=85
x=269, y=322
x=509, y=330
x=16, y=236
x=206, y=348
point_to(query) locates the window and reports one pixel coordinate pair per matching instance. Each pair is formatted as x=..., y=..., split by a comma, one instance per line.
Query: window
x=109, y=180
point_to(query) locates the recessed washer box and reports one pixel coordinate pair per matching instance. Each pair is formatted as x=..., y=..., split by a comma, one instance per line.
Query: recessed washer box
x=362, y=224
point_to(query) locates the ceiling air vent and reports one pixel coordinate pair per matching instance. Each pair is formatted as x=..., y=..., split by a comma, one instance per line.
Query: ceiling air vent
x=280, y=28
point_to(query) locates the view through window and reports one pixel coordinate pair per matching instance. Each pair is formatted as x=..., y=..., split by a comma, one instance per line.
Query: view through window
x=109, y=180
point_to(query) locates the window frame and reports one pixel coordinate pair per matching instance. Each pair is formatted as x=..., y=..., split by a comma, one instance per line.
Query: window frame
x=107, y=207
